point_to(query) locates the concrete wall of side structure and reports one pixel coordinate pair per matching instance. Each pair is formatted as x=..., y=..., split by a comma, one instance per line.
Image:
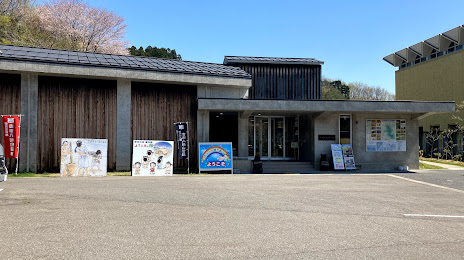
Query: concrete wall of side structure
x=388, y=161
x=439, y=79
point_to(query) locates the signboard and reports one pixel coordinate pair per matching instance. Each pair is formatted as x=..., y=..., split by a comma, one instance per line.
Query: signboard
x=215, y=156
x=337, y=156
x=326, y=137
x=10, y=126
x=182, y=140
x=152, y=158
x=385, y=135
x=348, y=157
x=83, y=157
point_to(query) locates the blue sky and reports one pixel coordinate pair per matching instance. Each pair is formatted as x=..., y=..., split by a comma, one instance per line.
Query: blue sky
x=351, y=37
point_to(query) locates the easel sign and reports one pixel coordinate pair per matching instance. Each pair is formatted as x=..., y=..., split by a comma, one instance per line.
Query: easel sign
x=215, y=157
x=337, y=156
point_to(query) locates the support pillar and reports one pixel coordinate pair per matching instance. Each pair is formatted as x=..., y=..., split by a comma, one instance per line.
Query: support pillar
x=242, y=137
x=28, y=136
x=123, y=125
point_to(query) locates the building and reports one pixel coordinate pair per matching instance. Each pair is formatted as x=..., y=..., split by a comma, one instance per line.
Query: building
x=265, y=106
x=432, y=70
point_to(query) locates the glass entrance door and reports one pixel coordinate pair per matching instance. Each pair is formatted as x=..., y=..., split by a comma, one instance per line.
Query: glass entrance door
x=270, y=137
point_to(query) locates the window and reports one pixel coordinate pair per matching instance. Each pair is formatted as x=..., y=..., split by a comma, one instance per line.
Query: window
x=345, y=129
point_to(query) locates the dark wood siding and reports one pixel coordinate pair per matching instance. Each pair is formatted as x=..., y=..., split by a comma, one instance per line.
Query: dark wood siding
x=155, y=109
x=10, y=103
x=295, y=82
x=74, y=108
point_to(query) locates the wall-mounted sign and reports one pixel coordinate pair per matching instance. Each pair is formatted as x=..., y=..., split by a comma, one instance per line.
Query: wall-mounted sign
x=337, y=156
x=385, y=135
x=326, y=137
x=215, y=156
x=152, y=158
x=348, y=157
x=83, y=157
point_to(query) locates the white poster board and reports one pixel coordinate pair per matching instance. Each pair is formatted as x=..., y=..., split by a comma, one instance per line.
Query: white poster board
x=83, y=157
x=152, y=158
x=385, y=135
x=337, y=156
x=348, y=157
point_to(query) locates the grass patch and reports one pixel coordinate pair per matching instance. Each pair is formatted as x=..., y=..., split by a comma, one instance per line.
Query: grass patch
x=426, y=166
x=31, y=174
x=450, y=162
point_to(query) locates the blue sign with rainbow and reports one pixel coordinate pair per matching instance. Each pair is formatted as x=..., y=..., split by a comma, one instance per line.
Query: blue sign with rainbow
x=215, y=156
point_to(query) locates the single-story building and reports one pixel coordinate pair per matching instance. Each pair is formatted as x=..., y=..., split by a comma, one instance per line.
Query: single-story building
x=269, y=107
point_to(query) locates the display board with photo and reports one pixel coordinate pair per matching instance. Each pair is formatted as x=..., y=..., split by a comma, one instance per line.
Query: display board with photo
x=152, y=158
x=83, y=157
x=385, y=135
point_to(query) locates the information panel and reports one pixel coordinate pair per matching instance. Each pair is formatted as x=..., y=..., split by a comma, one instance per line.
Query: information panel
x=215, y=156
x=348, y=157
x=83, y=157
x=152, y=158
x=385, y=135
x=337, y=156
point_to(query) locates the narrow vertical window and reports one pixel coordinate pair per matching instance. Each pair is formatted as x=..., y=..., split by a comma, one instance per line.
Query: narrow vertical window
x=345, y=129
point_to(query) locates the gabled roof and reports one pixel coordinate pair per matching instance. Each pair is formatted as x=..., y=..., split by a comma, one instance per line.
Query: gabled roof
x=20, y=53
x=229, y=60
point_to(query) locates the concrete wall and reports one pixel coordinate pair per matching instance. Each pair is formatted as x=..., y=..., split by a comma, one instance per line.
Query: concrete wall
x=369, y=160
x=439, y=79
x=28, y=138
x=209, y=91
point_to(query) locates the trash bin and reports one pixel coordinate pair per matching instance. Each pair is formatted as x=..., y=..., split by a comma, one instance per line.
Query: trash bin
x=257, y=165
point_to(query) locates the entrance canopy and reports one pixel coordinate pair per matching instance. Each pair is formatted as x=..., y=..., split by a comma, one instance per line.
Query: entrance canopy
x=417, y=109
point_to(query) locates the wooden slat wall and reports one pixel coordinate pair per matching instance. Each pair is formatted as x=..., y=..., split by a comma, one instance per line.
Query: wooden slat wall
x=155, y=109
x=284, y=81
x=10, y=103
x=74, y=108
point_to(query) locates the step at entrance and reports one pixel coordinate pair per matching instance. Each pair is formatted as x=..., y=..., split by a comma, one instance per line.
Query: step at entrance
x=287, y=167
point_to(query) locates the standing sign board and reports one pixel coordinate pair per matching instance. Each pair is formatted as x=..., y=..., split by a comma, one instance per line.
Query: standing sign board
x=215, y=156
x=348, y=157
x=11, y=135
x=83, y=157
x=337, y=156
x=152, y=158
x=182, y=140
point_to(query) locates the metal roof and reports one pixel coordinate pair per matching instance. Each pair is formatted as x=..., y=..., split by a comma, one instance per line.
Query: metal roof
x=271, y=60
x=437, y=43
x=20, y=53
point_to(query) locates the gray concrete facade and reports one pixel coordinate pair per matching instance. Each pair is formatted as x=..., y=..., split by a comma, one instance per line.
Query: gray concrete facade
x=123, y=129
x=365, y=160
x=28, y=136
x=321, y=117
x=117, y=73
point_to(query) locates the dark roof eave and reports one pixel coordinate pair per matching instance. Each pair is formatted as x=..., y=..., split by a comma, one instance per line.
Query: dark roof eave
x=124, y=67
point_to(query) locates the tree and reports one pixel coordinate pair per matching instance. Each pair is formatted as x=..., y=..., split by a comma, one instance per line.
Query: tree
x=155, y=52
x=332, y=90
x=362, y=91
x=74, y=25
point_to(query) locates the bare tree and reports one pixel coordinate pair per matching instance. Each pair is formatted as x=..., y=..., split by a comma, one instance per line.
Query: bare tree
x=362, y=91
x=75, y=25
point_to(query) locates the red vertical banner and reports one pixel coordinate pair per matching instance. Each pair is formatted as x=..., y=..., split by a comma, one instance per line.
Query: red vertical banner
x=10, y=126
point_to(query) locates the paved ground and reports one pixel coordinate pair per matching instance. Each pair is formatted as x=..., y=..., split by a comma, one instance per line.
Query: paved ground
x=232, y=217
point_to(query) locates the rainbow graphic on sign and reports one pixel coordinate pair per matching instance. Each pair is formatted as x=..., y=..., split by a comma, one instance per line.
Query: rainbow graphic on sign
x=215, y=156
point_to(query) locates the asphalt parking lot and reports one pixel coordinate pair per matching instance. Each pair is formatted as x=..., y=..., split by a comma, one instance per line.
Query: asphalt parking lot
x=341, y=216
